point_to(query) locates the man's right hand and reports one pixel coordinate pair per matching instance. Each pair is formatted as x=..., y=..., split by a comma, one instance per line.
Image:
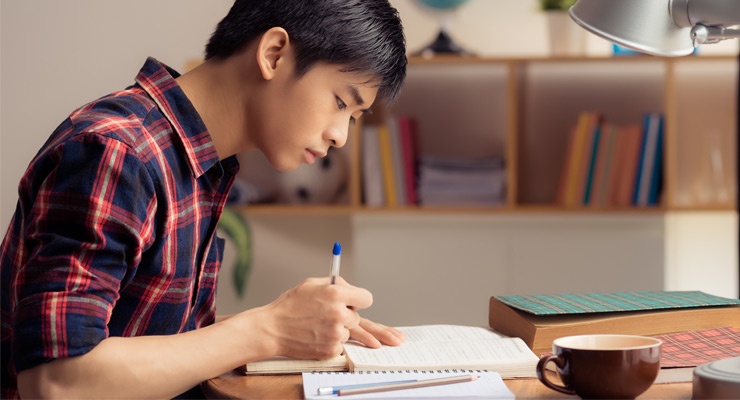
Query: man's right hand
x=313, y=319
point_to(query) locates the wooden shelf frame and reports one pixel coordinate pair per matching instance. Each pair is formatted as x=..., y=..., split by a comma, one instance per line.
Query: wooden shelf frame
x=518, y=90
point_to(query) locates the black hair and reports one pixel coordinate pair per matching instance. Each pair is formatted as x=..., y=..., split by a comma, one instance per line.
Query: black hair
x=364, y=36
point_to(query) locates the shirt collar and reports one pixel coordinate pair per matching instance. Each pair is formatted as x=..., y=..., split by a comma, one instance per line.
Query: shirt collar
x=158, y=80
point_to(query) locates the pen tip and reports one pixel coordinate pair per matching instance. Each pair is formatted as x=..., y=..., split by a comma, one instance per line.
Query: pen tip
x=337, y=249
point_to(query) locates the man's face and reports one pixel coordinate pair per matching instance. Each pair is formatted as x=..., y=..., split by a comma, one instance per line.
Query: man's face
x=302, y=117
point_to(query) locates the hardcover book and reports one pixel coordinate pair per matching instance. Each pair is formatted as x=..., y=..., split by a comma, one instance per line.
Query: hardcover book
x=540, y=319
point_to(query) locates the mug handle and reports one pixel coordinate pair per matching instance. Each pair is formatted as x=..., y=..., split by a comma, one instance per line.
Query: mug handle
x=542, y=376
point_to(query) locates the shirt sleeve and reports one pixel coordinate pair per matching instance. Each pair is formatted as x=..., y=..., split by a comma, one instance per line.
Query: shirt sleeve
x=87, y=223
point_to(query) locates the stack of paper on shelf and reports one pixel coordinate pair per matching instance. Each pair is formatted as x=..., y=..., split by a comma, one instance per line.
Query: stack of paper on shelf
x=540, y=319
x=455, y=182
x=427, y=348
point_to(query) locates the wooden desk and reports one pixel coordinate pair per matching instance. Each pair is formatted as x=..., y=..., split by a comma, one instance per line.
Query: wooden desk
x=236, y=386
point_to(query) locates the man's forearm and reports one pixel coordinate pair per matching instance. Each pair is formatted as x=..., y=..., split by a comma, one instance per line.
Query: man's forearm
x=149, y=366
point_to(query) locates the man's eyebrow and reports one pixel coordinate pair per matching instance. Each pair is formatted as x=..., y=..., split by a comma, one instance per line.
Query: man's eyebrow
x=357, y=97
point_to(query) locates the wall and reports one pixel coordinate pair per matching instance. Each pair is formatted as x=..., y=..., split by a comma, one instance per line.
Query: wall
x=58, y=55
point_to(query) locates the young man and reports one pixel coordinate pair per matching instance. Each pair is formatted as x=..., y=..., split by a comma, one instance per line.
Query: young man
x=109, y=265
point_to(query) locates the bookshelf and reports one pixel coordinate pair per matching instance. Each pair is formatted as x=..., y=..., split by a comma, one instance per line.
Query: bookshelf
x=522, y=109
x=516, y=107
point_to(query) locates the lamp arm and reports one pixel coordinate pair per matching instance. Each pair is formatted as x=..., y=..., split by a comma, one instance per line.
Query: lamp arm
x=701, y=34
x=687, y=13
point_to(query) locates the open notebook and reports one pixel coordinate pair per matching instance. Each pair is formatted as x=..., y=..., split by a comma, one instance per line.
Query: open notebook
x=488, y=385
x=427, y=347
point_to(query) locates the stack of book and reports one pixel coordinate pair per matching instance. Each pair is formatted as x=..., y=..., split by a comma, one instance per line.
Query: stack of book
x=609, y=165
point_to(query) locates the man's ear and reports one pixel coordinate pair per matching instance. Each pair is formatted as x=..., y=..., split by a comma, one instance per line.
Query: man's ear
x=272, y=50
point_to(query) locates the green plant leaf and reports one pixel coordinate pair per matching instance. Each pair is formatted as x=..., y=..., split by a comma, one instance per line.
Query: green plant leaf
x=235, y=226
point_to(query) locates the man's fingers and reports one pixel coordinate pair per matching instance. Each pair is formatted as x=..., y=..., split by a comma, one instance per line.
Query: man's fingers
x=353, y=297
x=352, y=319
x=361, y=335
x=385, y=334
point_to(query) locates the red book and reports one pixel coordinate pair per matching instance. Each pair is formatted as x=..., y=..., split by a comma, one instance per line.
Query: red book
x=626, y=163
x=409, y=153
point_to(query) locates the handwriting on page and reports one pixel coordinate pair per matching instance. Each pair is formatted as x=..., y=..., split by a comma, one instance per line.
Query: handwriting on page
x=447, y=332
x=443, y=354
x=443, y=346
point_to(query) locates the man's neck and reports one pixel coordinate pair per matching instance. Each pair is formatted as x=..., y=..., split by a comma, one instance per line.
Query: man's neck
x=215, y=91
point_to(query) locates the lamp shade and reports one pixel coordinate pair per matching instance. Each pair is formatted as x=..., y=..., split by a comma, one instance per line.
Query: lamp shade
x=642, y=25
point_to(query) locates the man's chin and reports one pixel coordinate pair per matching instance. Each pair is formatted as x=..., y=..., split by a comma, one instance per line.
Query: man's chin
x=285, y=166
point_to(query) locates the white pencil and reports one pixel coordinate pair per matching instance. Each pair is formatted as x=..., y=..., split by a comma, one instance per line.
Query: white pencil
x=409, y=385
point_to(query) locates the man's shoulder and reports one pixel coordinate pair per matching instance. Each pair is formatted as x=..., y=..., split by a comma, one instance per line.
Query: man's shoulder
x=129, y=116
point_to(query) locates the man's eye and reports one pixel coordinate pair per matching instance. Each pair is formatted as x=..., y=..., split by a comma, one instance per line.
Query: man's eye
x=341, y=104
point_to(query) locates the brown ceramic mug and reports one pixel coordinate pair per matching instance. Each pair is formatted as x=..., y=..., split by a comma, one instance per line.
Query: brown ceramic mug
x=603, y=366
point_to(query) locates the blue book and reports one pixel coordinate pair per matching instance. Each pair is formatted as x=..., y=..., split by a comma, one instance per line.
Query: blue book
x=656, y=180
x=651, y=124
x=592, y=164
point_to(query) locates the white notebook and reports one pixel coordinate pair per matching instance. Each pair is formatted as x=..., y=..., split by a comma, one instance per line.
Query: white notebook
x=489, y=385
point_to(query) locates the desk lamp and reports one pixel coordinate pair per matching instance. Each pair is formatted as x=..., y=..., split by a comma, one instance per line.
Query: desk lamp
x=660, y=27
x=671, y=28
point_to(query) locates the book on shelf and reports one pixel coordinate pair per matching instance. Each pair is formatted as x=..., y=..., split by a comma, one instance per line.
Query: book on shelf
x=627, y=156
x=577, y=164
x=590, y=160
x=649, y=170
x=373, y=188
x=427, y=348
x=409, y=142
x=389, y=162
x=396, y=151
x=603, y=167
x=681, y=352
x=540, y=319
x=612, y=165
x=386, y=157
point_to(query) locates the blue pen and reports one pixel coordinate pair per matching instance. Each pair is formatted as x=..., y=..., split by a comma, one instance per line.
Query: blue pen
x=335, y=389
x=336, y=255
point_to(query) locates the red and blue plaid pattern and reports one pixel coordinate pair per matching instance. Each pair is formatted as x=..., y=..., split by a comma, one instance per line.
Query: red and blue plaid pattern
x=693, y=348
x=114, y=231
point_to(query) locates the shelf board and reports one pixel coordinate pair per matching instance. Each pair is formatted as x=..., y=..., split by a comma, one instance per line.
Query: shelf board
x=329, y=209
x=295, y=209
x=449, y=59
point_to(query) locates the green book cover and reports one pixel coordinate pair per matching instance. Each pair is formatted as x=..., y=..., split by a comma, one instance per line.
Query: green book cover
x=582, y=303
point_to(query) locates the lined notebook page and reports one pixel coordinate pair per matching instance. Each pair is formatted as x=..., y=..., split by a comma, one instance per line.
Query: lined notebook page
x=433, y=347
x=489, y=385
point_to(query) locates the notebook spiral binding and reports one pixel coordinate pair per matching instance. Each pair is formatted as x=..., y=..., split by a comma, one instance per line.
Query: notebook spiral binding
x=454, y=371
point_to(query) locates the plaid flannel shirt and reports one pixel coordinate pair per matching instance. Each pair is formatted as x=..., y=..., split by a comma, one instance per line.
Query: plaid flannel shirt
x=114, y=231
